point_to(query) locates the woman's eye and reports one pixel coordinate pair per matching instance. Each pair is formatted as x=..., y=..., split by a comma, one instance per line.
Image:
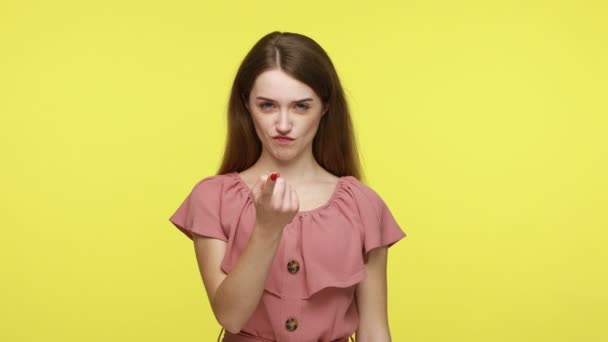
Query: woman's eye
x=264, y=104
x=300, y=105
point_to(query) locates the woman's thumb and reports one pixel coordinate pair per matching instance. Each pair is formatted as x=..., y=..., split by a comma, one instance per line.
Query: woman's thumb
x=258, y=187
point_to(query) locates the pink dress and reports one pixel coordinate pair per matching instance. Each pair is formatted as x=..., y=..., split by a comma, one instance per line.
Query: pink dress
x=310, y=290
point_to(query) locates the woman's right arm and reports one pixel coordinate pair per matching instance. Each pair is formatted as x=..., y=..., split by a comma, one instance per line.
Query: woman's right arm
x=235, y=296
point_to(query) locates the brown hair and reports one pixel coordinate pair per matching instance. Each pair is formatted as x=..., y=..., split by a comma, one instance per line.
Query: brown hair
x=334, y=146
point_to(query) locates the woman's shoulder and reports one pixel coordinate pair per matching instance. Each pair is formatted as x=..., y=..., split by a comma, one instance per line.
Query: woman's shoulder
x=218, y=184
x=218, y=191
x=362, y=192
x=212, y=201
x=211, y=180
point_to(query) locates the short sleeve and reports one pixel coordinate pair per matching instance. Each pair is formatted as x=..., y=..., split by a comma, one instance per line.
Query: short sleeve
x=389, y=233
x=200, y=211
x=380, y=229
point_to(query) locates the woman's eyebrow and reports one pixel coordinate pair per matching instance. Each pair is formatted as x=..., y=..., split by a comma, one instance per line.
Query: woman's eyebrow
x=267, y=99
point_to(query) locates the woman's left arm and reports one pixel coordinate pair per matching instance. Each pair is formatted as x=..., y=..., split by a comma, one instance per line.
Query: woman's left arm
x=371, y=299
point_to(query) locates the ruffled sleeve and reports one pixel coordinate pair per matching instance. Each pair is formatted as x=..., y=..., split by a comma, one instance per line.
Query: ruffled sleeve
x=200, y=212
x=220, y=207
x=380, y=229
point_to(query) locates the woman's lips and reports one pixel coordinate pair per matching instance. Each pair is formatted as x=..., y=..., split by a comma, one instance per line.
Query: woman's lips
x=282, y=140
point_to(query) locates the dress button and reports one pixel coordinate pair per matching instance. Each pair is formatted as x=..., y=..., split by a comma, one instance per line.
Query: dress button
x=291, y=324
x=293, y=266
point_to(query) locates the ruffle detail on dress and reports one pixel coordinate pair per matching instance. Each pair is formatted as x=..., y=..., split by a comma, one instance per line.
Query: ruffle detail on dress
x=330, y=242
x=335, y=242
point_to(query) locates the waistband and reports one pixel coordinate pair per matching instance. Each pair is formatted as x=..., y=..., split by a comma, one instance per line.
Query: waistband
x=244, y=337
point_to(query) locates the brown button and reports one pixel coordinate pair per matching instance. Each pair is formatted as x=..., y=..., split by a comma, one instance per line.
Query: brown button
x=293, y=266
x=291, y=324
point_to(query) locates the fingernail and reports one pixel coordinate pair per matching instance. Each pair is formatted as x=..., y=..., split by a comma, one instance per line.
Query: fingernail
x=274, y=176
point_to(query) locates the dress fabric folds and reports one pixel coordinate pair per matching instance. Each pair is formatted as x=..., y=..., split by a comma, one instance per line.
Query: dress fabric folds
x=330, y=245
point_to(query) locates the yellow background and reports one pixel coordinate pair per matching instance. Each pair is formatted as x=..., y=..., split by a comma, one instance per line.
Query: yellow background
x=481, y=123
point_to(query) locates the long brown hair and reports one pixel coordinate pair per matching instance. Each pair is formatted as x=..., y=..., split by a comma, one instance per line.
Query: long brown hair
x=334, y=145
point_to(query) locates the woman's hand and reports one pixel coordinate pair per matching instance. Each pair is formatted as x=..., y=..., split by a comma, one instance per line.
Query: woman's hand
x=276, y=203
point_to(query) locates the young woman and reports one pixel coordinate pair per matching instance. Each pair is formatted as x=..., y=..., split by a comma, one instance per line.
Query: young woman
x=291, y=246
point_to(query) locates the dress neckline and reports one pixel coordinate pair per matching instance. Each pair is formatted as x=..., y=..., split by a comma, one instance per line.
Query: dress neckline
x=331, y=199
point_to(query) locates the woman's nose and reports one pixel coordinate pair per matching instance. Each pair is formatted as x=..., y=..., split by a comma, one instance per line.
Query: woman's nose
x=284, y=120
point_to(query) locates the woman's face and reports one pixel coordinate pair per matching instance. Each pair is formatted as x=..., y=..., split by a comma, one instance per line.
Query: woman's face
x=282, y=105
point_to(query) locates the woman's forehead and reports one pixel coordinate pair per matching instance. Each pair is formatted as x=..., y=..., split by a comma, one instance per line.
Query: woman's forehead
x=278, y=86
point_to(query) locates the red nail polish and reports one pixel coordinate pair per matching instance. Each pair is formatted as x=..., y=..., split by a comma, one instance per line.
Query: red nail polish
x=274, y=176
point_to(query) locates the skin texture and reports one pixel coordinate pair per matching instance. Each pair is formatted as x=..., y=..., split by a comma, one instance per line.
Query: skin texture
x=371, y=295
